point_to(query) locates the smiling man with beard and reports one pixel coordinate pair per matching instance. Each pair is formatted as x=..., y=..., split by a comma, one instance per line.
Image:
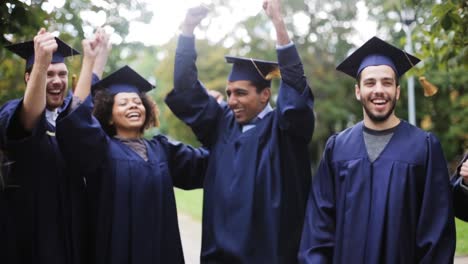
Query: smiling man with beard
x=43, y=217
x=382, y=191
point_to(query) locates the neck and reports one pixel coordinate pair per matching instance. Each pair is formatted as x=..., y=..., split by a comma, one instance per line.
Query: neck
x=391, y=122
x=128, y=134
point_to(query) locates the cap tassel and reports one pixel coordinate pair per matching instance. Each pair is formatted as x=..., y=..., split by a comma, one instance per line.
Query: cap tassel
x=74, y=81
x=429, y=88
x=273, y=74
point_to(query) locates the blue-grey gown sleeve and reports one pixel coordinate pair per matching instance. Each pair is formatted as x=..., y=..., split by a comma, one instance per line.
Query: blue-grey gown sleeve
x=189, y=100
x=460, y=195
x=435, y=234
x=318, y=235
x=187, y=164
x=295, y=99
x=16, y=140
x=81, y=138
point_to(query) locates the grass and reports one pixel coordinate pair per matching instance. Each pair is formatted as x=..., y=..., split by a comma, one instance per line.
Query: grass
x=190, y=202
x=462, y=238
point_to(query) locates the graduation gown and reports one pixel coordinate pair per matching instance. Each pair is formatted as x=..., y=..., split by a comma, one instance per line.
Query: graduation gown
x=460, y=196
x=133, y=210
x=397, y=209
x=42, y=204
x=257, y=182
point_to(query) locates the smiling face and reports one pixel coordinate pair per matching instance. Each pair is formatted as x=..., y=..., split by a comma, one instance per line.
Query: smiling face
x=378, y=93
x=128, y=115
x=56, y=85
x=244, y=100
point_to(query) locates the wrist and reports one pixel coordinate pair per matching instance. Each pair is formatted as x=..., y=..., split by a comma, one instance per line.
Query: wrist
x=187, y=30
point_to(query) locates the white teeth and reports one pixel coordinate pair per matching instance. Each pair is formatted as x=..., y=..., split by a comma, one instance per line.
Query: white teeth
x=132, y=115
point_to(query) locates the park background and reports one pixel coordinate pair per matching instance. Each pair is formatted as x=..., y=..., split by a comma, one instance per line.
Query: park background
x=144, y=36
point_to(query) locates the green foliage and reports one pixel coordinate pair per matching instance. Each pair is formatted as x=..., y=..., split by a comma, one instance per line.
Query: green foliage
x=190, y=202
x=462, y=238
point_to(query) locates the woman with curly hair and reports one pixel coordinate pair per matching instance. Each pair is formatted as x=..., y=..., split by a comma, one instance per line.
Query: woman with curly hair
x=130, y=179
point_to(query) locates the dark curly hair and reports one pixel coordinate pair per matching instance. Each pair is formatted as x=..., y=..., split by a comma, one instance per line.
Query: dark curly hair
x=104, y=101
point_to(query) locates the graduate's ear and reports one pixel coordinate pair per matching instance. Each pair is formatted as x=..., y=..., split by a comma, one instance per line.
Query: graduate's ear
x=357, y=92
x=398, y=92
x=111, y=122
x=265, y=95
x=26, y=77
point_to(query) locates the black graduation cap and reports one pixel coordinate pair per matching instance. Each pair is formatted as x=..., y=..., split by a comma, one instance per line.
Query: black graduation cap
x=377, y=52
x=257, y=71
x=26, y=51
x=123, y=80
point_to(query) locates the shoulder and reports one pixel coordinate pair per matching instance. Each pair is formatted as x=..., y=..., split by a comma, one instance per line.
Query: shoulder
x=350, y=134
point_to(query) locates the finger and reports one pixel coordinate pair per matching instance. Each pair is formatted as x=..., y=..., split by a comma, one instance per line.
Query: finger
x=41, y=31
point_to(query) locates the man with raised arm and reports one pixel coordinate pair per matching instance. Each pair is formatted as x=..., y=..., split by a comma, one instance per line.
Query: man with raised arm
x=258, y=176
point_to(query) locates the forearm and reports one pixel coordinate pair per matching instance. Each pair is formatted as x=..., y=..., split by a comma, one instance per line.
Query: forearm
x=282, y=36
x=83, y=87
x=34, y=102
x=185, y=69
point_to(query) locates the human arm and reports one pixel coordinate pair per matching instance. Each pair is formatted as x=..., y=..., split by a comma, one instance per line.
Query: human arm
x=105, y=48
x=464, y=172
x=460, y=189
x=34, y=102
x=318, y=235
x=92, y=49
x=80, y=136
x=187, y=164
x=295, y=100
x=189, y=99
x=435, y=234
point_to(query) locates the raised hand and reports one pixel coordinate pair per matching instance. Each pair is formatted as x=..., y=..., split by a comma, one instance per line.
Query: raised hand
x=219, y=97
x=193, y=18
x=273, y=10
x=105, y=48
x=464, y=172
x=44, y=47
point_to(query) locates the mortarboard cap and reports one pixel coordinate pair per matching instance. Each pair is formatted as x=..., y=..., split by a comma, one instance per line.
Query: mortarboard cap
x=257, y=71
x=377, y=52
x=26, y=51
x=123, y=80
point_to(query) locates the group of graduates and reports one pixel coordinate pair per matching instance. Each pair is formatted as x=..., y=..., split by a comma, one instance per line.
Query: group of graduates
x=80, y=183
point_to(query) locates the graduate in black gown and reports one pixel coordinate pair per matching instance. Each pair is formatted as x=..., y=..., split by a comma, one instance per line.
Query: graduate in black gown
x=258, y=178
x=129, y=178
x=460, y=189
x=43, y=202
x=381, y=193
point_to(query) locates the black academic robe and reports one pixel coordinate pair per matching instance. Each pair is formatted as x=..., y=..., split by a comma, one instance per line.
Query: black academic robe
x=257, y=182
x=460, y=196
x=397, y=209
x=42, y=204
x=133, y=210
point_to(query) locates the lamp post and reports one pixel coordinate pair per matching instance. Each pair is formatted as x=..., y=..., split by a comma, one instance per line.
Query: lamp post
x=408, y=16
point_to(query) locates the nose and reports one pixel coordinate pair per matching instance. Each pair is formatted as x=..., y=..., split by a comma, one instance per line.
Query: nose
x=378, y=88
x=132, y=104
x=232, y=101
x=55, y=79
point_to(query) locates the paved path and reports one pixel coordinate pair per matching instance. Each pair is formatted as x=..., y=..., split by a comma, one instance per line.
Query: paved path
x=190, y=232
